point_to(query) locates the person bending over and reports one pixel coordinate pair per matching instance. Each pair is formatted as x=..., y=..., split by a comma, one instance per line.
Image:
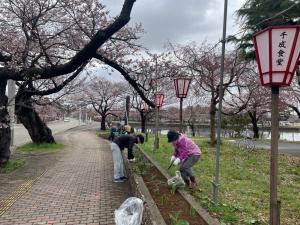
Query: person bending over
x=118, y=145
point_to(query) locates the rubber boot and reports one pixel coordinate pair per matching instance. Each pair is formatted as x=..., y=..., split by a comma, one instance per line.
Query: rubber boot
x=193, y=182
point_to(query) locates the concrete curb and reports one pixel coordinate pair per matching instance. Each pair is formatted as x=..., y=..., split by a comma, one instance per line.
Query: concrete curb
x=189, y=198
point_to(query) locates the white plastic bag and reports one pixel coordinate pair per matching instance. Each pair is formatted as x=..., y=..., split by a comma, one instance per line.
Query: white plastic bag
x=130, y=212
x=176, y=181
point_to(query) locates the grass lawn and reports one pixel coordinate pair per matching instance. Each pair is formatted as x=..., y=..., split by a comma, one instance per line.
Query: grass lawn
x=280, y=141
x=244, y=179
x=40, y=148
x=103, y=133
x=12, y=165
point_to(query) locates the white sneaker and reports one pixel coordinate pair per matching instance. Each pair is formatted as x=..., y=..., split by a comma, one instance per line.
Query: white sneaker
x=132, y=160
x=119, y=180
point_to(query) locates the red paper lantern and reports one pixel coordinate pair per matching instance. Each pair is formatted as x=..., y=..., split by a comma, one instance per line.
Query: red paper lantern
x=277, y=54
x=159, y=99
x=182, y=87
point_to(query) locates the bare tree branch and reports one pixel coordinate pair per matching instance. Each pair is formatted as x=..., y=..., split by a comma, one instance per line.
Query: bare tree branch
x=80, y=58
x=131, y=81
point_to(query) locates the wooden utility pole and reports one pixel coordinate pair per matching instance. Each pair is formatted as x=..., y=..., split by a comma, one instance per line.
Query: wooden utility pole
x=274, y=206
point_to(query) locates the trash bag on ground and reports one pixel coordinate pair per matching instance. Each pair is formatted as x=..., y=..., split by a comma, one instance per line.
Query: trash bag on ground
x=176, y=181
x=130, y=212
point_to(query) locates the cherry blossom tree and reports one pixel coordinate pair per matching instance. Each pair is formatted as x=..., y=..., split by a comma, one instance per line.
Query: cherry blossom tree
x=252, y=99
x=49, y=39
x=151, y=73
x=28, y=94
x=192, y=110
x=141, y=106
x=104, y=95
x=291, y=97
x=203, y=64
x=248, y=96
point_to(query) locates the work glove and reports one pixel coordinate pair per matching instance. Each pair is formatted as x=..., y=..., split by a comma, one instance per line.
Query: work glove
x=172, y=158
x=176, y=162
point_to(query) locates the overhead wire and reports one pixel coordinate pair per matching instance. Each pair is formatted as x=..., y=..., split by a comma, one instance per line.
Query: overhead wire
x=244, y=29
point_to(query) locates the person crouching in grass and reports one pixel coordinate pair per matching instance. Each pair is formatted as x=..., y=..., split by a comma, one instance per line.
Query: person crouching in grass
x=186, y=153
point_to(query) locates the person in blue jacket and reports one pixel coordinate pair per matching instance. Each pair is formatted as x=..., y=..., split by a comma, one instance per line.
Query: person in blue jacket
x=115, y=131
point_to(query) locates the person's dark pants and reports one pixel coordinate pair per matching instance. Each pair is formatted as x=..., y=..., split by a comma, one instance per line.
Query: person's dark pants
x=130, y=154
x=186, y=167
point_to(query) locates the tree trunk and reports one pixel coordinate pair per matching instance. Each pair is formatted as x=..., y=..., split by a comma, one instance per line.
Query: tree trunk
x=37, y=129
x=254, y=122
x=127, y=109
x=193, y=122
x=5, y=132
x=143, y=122
x=193, y=129
x=212, y=113
x=103, y=118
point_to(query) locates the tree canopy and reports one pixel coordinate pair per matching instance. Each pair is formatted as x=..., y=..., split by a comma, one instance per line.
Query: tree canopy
x=256, y=15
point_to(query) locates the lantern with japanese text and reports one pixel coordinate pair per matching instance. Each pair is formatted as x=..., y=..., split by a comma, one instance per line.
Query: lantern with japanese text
x=277, y=53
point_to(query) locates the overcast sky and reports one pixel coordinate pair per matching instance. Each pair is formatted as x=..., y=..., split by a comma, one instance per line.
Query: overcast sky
x=179, y=21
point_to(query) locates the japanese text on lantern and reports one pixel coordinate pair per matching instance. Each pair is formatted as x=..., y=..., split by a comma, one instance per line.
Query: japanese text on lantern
x=282, y=47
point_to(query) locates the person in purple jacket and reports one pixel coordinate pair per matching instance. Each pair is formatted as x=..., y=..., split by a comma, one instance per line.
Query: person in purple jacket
x=186, y=153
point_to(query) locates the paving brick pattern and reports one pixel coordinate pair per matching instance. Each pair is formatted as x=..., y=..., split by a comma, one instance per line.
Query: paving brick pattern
x=77, y=189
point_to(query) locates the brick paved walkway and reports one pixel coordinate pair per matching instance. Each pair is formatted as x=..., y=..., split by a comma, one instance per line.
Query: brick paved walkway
x=77, y=189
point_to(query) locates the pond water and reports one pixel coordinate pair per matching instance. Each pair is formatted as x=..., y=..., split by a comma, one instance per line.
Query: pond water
x=284, y=135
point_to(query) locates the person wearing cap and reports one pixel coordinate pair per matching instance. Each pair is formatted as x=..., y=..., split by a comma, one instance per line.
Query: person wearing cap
x=186, y=153
x=115, y=131
x=118, y=145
